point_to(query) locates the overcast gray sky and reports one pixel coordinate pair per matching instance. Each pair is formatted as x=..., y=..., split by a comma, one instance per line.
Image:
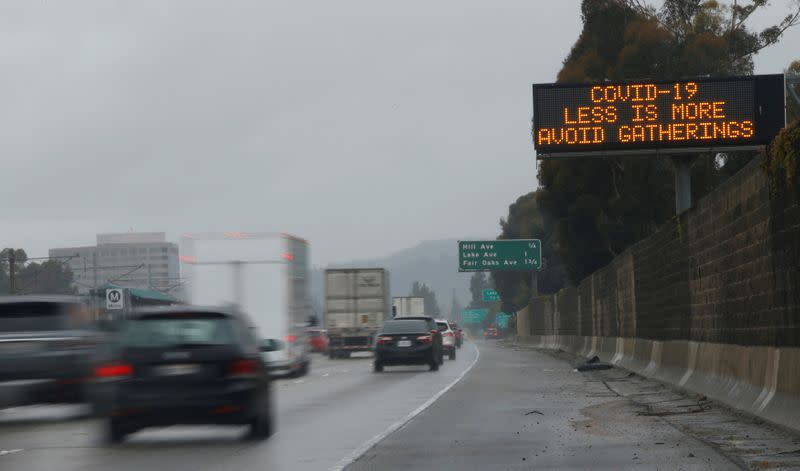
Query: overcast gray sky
x=364, y=126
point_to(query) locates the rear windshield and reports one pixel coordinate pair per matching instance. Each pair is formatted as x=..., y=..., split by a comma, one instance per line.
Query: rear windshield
x=272, y=345
x=159, y=332
x=404, y=327
x=442, y=326
x=33, y=316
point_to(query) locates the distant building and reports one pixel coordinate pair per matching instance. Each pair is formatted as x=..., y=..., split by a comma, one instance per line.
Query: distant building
x=134, y=259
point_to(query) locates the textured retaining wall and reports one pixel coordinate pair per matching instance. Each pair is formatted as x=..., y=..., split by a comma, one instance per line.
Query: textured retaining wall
x=710, y=302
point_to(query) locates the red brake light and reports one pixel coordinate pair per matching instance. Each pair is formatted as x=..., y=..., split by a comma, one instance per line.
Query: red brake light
x=243, y=367
x=114, y=370
x=425, y=338
x=384, y=340
x=290, y=338
x=448, y=334
x=434, y=332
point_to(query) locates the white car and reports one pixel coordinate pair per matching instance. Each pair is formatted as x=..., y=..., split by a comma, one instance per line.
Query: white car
x=284, y=358
x=448, y=338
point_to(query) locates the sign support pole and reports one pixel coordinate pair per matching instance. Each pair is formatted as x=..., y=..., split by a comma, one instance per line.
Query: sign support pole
x=683, y=182
x=535, y=284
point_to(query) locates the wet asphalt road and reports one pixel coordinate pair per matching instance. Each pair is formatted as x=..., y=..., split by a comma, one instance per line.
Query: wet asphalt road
x=517, y=408
x=323, y=419
x=523, y=409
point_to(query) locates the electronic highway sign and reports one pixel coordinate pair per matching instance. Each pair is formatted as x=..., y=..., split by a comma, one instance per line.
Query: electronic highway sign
x=657, y=116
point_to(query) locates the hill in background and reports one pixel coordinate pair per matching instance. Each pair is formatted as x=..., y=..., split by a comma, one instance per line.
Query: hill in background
x=433, y=262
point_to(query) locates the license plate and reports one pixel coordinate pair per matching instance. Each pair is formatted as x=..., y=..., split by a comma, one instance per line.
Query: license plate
x=404, y=343
x=177, y=370
x=18, y=348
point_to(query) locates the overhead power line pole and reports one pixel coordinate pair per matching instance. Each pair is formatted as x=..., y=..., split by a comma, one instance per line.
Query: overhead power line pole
x=12, y=262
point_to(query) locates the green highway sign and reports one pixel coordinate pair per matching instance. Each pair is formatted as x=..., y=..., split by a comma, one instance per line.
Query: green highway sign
x=491, y=295
x=474, y=316
x=501, y=320
x=499, y=255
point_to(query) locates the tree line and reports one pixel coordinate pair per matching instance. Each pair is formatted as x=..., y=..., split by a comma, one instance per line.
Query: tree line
x=586, y=212
x=33, y=277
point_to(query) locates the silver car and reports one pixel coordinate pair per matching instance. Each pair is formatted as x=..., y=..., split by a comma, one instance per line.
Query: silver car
x=285, y=358
x=448, y=338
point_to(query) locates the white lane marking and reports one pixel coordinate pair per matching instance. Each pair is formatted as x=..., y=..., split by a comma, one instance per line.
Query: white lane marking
x=8, y=452
x=325, y=375
x=366, y=446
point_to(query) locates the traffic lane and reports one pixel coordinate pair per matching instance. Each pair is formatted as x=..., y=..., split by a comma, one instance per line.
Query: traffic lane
x=321, y=419
x=320, y=426
x=528, y=410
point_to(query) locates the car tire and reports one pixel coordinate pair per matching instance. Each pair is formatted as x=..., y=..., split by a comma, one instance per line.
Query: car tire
x=434, y=366
x=452, y=355
x=346, y=355
x=378, y=367
x=260, y=427
x=332, y=354
x=441, y=357
x=116, y=431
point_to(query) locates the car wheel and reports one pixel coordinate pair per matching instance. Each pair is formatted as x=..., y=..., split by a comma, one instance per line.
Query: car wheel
x=332, y=354
x=452, y=355
x=116, y=431
x=346, y=355
x=378, y=366
x=434, y=366
x=441, y=357
x=306, y=368
x=260, y=427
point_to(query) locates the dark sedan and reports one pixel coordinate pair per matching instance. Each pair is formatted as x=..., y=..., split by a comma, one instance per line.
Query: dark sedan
x=185, y=365
x=407, y=342
x=433, y=328
x=47, y=344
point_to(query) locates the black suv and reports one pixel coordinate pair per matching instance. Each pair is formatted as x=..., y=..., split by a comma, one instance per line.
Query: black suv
x=49, y=342
x=185, y=365
x=408, y=341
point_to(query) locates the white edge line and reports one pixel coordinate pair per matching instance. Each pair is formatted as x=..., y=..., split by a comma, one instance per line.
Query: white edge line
x=366, y=446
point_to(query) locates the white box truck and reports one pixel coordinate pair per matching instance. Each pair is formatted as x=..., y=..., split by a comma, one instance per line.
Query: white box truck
x=406, y=306
x=357, y=300
x=264, y=275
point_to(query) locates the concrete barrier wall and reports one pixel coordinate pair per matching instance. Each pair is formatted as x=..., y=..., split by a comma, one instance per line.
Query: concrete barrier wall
x=709, y=303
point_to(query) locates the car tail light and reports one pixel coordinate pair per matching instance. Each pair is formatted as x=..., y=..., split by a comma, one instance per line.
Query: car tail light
x=243, y=368
x=434, y=332
x=227, y=409
x=448, y=334
x=425, y=338
x=290, y=338
x=383, y=340
x=113, y=371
